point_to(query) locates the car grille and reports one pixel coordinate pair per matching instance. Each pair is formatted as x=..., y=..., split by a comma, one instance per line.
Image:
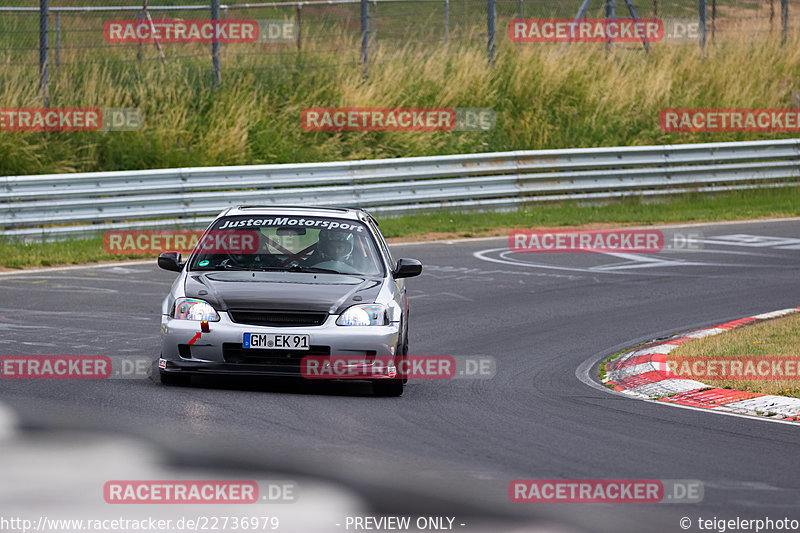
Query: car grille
x=277, y=318
x=289, y=359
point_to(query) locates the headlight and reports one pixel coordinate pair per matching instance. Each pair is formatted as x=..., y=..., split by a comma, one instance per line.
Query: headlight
x=365, y=315
x=194, y=309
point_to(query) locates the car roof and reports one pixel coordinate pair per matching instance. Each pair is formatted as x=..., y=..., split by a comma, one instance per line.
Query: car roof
x=349, y=213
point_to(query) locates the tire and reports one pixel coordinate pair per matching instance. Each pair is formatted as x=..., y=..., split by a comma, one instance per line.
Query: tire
x=404, y=350
x=404, y=357
x=171, y=378
x=388, y=387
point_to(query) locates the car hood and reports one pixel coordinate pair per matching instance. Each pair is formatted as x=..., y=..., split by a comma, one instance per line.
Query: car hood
x=290, y=291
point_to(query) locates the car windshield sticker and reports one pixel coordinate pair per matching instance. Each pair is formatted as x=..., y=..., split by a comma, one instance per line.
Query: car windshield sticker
x=291, y=221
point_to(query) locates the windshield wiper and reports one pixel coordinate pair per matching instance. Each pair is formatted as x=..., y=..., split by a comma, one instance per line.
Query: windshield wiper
x=228, y=266
x=292, y=268
x=299, y=268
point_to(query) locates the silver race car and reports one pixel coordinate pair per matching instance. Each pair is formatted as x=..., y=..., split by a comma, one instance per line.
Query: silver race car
x=288, y=292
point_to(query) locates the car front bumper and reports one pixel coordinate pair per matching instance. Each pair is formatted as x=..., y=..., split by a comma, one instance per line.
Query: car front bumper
x=187, y=349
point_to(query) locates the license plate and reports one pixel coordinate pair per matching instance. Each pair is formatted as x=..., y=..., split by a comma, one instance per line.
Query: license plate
x=275, y=341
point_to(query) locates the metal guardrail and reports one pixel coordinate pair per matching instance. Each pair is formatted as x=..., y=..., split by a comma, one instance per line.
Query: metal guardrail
x=68, y=205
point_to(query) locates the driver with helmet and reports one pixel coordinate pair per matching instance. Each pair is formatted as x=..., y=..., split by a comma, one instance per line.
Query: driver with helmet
x=334, y=250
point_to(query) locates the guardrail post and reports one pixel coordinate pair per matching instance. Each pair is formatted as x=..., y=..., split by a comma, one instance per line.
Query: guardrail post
x=771, y=14
x=713, y=19
x=299, y=29
x=215, y=63
x=139, y=18
x=491, y=21
x=784, y=19
x=365, y=37
x=447, y=24
x=611, y=12
x=58, y=38
x=702, y=10
x=373, y=30
x=611, y=9
x=581, y=13
x=44, y=48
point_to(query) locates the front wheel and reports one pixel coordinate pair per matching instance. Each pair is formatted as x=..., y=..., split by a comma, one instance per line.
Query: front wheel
x=387, y=387
x=402, y=351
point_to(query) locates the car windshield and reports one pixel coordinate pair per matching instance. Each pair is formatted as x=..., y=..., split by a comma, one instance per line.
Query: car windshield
x=288, y=243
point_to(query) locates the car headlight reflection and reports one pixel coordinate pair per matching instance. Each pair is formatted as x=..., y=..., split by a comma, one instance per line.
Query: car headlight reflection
x=194, y=309
x=364, y=315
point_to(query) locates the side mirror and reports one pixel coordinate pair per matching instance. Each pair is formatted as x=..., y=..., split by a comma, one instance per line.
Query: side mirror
x=407, y=268
x=170, y=261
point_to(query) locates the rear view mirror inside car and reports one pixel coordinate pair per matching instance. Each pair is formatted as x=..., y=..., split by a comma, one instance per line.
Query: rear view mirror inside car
x=286, y=231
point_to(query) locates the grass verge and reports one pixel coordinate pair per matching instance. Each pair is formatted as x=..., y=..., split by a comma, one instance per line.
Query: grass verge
x=735, y=205
x=14, y=254
x=776, y=338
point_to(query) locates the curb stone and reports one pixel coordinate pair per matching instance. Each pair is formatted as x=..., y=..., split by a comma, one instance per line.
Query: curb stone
x=643, y=373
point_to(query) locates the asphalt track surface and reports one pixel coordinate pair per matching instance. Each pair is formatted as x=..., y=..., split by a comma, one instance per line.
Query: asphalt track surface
x=547, y=319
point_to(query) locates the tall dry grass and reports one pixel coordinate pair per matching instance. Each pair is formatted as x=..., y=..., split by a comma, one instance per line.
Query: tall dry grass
x=545, y=96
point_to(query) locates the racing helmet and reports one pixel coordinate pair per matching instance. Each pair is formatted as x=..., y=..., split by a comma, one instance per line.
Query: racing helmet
x=335, y=245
